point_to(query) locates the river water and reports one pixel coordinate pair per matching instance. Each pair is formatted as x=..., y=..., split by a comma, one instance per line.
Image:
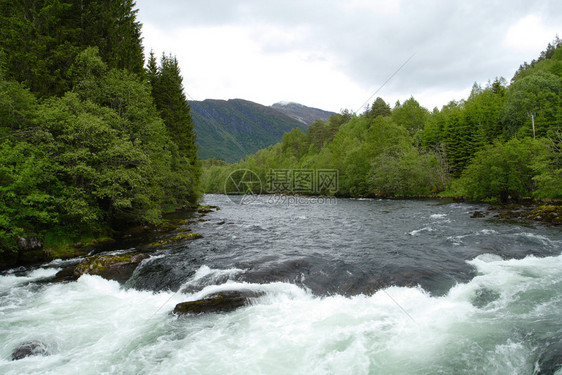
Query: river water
x=350, y=287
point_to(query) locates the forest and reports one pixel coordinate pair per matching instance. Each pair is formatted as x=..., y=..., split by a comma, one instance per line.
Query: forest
x=502, y=144
x=91, y=141
x=94, y=139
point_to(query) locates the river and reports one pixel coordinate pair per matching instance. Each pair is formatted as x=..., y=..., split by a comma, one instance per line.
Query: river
x=350, y=287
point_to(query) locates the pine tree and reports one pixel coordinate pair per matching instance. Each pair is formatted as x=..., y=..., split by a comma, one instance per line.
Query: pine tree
x=169, y=98
x=171, y=102
x=379, y=108
x=43, y=37
x=151, y=69
x=111, y=25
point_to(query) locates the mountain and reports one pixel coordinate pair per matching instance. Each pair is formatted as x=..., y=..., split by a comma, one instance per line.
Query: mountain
x=231, y=129
x=303, y=114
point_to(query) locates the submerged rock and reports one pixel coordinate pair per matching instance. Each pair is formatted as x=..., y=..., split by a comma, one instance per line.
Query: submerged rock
x=28, y=349
x=477, y=214
x=224, y=301
x=111, y=267
x=483, y=297
x=177, y=238
x=66, y=274
x=550, y=361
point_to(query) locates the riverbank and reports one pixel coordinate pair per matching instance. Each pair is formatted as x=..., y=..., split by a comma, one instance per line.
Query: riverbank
x=34, y=250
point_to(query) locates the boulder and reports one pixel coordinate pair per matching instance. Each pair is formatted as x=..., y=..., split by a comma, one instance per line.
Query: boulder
x=31, y=243
x=66, y=274
x=111, y=267
x=30, y=251
x=224, y=301
x=28, y=349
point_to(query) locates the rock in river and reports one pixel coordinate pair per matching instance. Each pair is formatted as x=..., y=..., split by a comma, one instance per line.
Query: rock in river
x=224, y=301
x=110, y=267
x=28, y=349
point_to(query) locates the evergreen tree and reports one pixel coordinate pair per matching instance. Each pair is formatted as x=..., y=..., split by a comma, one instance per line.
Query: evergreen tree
x=318, y=133
x=43, y=37
x=111, y=25
x=550, y=60
x=152, y=70
x=169, y=98
x=379, y=108
x=171, y=102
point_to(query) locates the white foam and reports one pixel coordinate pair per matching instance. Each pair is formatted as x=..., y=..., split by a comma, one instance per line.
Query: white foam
x=11, y=280
x=458, y=240
x=208, y=276
x=536, y=237
x=418, y=231
x=487, y=232
x=97, y=327
x=438, y=216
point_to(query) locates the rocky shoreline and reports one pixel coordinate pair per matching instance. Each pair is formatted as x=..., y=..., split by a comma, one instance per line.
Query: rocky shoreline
x=32, y=250
x=549, y=214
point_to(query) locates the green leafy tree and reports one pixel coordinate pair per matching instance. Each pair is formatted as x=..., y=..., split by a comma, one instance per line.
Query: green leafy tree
x=294, y=144
x=410, y=115
x=27, y=182
x=538, y=93
x=502, y=171
x=404, y=172
x=110, y=146
x=548, y=166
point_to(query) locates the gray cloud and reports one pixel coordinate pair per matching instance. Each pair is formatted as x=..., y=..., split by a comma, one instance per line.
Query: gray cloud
x=455, y=42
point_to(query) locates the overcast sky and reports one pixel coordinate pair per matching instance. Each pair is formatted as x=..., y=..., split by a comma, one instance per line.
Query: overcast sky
x=334, y=54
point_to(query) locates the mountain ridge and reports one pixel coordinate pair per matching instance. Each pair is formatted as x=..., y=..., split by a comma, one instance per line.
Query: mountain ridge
x=303, y=114
x=231, y=129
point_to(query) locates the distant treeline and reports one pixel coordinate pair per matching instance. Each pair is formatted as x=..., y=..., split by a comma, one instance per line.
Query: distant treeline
x=90, y=140
x=484, y=147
